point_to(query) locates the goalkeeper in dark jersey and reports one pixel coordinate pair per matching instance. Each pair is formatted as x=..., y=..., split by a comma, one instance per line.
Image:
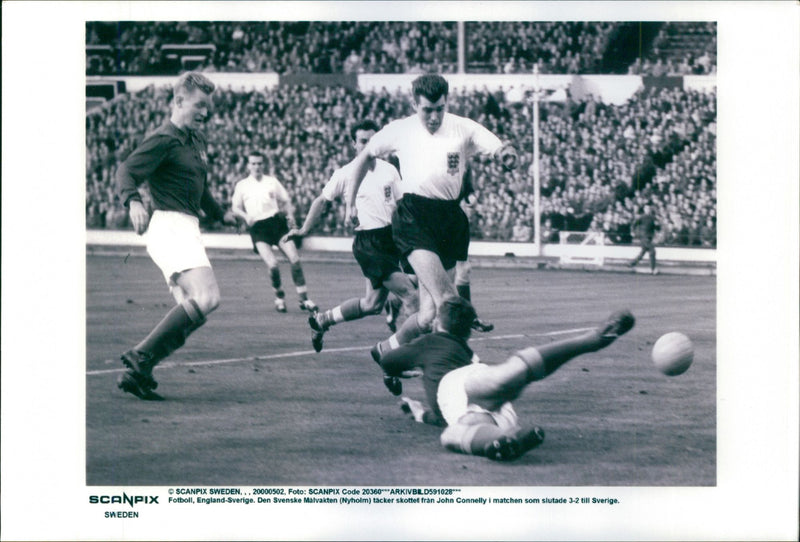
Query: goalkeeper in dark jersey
x=473, y=399
x=173, y=162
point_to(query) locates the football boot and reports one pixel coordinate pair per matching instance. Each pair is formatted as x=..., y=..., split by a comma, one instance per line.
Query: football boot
x=617, y=324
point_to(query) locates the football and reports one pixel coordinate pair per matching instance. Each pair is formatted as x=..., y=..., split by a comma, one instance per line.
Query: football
x=673, y=353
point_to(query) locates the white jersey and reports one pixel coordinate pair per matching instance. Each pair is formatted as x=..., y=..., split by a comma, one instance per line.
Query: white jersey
x=433, y=165
x=260, y=199
x=377, y=196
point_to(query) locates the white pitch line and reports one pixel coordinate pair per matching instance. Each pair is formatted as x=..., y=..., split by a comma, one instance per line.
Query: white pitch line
x=495, y=338
x=563, y=332
x=169, y=364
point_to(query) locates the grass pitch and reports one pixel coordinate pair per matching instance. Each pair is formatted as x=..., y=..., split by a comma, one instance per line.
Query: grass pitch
x=248, y=402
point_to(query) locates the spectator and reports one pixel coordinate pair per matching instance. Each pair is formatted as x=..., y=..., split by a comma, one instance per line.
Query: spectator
x=135, y=47
x=585, y=165
x=352, y=63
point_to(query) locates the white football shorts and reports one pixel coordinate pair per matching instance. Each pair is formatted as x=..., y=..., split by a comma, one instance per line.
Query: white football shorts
x=174, y=243
x=454, y=402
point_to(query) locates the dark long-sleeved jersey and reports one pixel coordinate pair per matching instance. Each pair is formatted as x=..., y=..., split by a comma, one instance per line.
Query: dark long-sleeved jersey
x=437, y=354
x=646, y=225
x=173, y=162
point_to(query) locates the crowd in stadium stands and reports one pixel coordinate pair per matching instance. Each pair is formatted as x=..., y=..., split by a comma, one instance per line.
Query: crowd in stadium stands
x=688, y=48
x=557, y=47
x=136, y=47
x=279, y=47
x=599, y=162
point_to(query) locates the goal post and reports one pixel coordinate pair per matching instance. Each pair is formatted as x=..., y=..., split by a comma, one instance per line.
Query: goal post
x=581, y=247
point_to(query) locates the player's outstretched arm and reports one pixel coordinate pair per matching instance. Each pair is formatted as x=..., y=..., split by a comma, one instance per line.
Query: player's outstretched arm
x=359, y=166
x=287, y=208
x=405, y=358
x=312, y=218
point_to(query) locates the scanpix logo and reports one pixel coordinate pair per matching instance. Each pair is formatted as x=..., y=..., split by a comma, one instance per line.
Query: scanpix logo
x=131, y=500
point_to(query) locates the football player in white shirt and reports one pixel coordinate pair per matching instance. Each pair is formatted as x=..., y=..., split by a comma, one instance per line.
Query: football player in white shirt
x=373, y=246
x=429, y=226
x=264, y=205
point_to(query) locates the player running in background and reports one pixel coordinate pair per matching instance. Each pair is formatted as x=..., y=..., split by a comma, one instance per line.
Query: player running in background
x=645, y=227
x=429, y=226
x=264, y=205
x=172, y=160
x=373, y=246
x=473, y=399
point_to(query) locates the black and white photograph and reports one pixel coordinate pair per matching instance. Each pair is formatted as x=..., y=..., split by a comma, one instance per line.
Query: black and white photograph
x=400, y=271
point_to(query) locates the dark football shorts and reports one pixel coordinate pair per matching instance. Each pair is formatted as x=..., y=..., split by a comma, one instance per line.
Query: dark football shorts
x=377, y=254
x=647, y=242
x=269, y=231
x=431, y=224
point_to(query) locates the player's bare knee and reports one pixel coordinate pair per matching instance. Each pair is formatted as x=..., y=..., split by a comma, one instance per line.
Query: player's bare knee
x=372, y=306
x=207, y=300
x=425, y=322
x=536, y=369
x=448, y=436
x=452, y=435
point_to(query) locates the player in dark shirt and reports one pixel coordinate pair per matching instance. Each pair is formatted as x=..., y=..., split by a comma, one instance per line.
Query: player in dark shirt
x=436, y=354
x=473, y=399
x=172, y=160
x=646, y=227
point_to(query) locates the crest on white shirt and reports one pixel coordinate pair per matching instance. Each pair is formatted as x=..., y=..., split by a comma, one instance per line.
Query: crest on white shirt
x=453, y=160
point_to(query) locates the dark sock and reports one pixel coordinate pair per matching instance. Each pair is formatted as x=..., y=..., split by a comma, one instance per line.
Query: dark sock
x=171, y=332
x=529, y=437
x=546, y=359
x=275, y=278
x=297, y=274
x=299, y=281
x=351, y=309
x=464, y=291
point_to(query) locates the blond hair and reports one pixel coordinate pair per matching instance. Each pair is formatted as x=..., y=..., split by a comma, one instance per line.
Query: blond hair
x=189, y=81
